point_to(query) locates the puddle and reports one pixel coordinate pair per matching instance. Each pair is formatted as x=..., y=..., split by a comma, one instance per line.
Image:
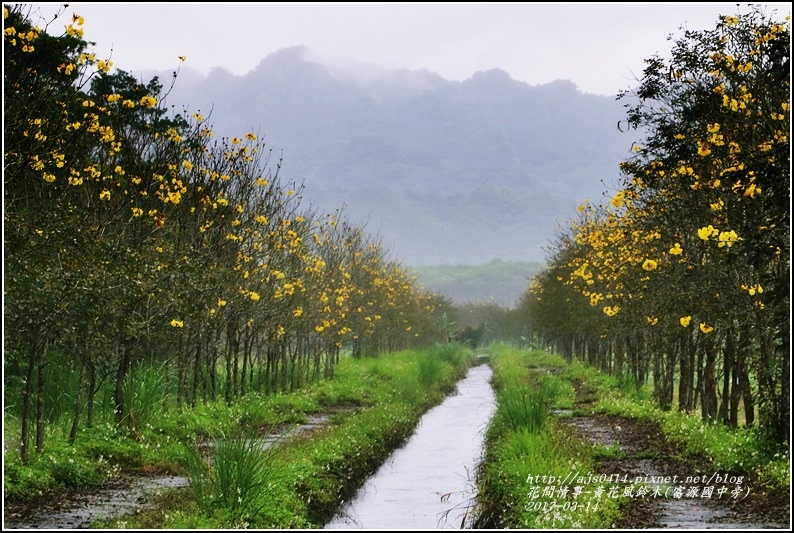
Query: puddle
x=313, y=421
x=124, y=495
x=690, y=509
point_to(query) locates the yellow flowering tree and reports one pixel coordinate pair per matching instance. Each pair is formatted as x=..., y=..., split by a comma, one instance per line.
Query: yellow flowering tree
x=689, y=262
x=132, y=235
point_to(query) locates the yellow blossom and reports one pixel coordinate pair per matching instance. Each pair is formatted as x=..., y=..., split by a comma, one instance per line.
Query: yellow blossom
x=705, y=328
x=66, y=68
x=685, y=320
x=148, y=101
x=177, y=323
x=676, y=250
x=730, y=20
x=649, y=265
x=104, y=195
x=706, y=232
x=727, y=238
x=752, y=190
x=652, y=320
x=611, y=311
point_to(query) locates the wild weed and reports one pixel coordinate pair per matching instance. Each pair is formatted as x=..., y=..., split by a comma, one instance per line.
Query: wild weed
x=236, y=477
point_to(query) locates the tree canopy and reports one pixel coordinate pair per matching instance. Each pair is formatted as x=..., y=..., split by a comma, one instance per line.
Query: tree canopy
x=683, y=277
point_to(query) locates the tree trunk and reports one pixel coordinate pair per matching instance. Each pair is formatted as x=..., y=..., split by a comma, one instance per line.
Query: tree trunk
x=121, y=376
x=78, y=403
x=197, y=374
x=709, y=379
x=92, y=390
x=27, y=394
x=40, y=397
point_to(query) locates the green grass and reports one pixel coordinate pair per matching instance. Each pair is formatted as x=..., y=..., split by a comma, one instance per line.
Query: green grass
x=528, y=454
x=376, y=403
x=730, y=450
x=237, y=476
x=145, y=395
x=524, y=408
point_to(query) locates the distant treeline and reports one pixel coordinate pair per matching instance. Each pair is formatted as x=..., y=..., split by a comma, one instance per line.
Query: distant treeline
x=499, y=282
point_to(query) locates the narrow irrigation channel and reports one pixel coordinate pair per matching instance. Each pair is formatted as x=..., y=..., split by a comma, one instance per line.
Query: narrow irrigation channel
x=429, y=482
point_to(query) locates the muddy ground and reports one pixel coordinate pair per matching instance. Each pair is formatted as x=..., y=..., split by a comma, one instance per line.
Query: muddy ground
x=646, y=456
x=127, y=494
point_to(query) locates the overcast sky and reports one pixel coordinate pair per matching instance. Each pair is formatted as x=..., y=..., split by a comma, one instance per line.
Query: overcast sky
x=600, y=47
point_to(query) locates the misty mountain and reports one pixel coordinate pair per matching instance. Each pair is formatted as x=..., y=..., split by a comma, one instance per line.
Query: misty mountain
x=443, y=171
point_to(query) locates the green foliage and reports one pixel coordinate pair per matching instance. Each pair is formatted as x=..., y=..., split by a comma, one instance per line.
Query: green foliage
x=102, y=454
x=524, y=408
x=684, y=275
x=146, y=394
x=735, y=450
x=299, y=483
x=430, y=369
x=527, y=451
x=237, y=475
x=149, y=266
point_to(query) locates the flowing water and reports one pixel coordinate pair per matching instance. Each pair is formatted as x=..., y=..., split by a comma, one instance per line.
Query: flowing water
x=429, y=482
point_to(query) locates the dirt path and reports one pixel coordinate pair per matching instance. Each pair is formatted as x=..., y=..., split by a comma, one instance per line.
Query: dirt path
x=646, y=457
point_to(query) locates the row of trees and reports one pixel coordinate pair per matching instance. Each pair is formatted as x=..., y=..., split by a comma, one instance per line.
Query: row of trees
x=683, y=277
x=132, y=234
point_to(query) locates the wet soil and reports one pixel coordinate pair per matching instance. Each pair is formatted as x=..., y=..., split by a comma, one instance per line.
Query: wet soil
x=124, y=495
x=638, y=454
x=127, y=494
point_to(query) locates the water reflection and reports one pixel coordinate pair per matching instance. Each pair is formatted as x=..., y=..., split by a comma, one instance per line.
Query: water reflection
x=429, y=482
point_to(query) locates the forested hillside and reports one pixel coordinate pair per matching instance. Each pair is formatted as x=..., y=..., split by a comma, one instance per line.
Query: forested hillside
x=446, y=172
x=497, y=282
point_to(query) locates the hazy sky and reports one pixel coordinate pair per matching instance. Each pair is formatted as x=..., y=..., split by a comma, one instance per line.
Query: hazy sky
x=600, y=47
